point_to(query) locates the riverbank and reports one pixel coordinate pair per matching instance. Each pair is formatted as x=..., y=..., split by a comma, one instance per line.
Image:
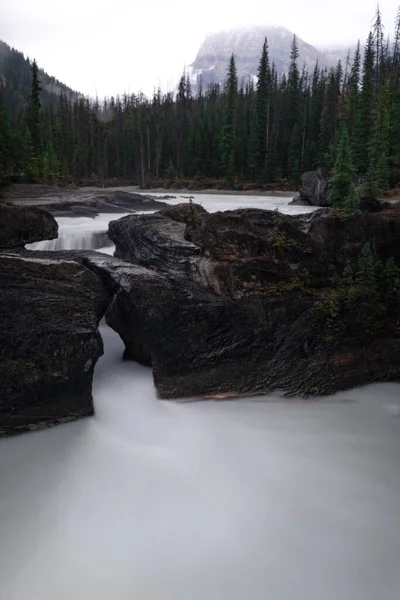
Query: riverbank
x=38, y=194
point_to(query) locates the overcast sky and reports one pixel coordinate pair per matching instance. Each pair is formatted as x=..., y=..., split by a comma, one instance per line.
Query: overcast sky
x=110, y=46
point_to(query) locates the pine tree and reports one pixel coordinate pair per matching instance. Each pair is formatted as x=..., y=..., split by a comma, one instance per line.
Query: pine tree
x=31, y=168
x=293, y=85
x=379, y=142
x=365, y=117
x=271, y=160
x=378, y=36
x=366, y=268
x=253, y=149
x=342, y=192
x=391, y=276
x=294, y=158
x=329, y=121
x=5, y=144
x=262, y=105
x=34, y=107
x=229, y=122
x=353, y=94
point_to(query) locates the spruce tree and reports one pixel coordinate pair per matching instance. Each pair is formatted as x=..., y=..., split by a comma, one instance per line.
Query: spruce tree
x=379, y=142
x=262, y=105
x=271, y=160
x=353, y=94
x=366, y=268
x=5, y=144
x=34, y=107
x=342, y=191
x=229, y=121
x=364, y=121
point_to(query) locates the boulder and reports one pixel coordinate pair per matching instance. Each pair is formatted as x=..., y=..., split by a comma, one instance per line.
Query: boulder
x=370, y=204
x=341, y=236
x=239, y=302
x=25, y=225
x=49, y=340
x=314, y=189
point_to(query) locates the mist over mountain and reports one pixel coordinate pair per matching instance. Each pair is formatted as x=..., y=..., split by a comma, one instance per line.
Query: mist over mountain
x=212, y=58
x=16, y=80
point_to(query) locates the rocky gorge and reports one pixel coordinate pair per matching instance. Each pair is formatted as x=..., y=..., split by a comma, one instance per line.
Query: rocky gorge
x=232, y=303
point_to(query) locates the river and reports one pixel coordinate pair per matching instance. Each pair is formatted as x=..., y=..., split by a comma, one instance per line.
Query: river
x=244, y=500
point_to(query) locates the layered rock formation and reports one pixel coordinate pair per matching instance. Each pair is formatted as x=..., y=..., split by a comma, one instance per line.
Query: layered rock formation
x=240, y=302
x=49, y=339
x=235, y=303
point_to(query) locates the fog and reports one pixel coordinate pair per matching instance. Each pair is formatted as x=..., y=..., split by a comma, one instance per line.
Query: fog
x=224, y=501
x=98, y=47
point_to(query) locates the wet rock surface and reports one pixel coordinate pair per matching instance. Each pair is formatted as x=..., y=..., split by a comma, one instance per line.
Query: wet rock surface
x=49, y=340
x=24, y=225
x=235, y=303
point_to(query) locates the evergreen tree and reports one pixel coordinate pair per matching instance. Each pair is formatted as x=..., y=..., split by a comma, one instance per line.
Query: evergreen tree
x=342, y=192
x=262, y=105
x=377, y=32
x=353, y=93
x=271, y=160
x=364, y=121
x=379, y=143
x=33, y=113
x=366, y=268
x=31, y=168
x=5, y=144
x=229, y=122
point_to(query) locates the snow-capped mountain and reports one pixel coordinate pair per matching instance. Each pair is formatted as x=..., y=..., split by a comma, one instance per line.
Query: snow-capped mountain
x=212, y=58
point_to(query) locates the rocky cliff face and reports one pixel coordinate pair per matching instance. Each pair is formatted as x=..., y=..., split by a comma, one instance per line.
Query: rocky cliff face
x=213, y=56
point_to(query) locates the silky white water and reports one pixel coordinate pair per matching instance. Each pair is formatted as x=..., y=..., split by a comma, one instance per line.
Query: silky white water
x=80, y=232
x=244, y=500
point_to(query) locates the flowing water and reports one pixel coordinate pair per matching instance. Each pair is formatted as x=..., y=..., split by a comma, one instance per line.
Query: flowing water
x=82, y=232
x=259, y=499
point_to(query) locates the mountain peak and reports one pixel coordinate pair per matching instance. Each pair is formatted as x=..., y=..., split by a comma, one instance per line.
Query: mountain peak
x=246, y=44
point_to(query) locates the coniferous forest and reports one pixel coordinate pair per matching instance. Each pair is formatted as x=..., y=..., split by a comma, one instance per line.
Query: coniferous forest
x=345, y=120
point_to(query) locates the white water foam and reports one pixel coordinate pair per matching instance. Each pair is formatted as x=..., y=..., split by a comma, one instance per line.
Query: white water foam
x=77, y=233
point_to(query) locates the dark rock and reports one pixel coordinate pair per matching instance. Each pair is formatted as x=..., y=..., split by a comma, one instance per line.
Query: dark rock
x=101, y=240
x=49, y=340
x=234, y=302
x=104, y=202
x=369, y=204
x=186, y=212
x=24, y=225
x=153, y=241
x=314, y=189
x=299, y=201
x=341, y=236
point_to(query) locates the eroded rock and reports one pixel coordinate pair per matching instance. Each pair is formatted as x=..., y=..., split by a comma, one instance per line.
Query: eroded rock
x=25, y=225
x=49, y=340
x=261, y=318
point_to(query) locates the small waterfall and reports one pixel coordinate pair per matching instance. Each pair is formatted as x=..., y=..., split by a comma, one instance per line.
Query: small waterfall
x=80, y=233
x=75, y=241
